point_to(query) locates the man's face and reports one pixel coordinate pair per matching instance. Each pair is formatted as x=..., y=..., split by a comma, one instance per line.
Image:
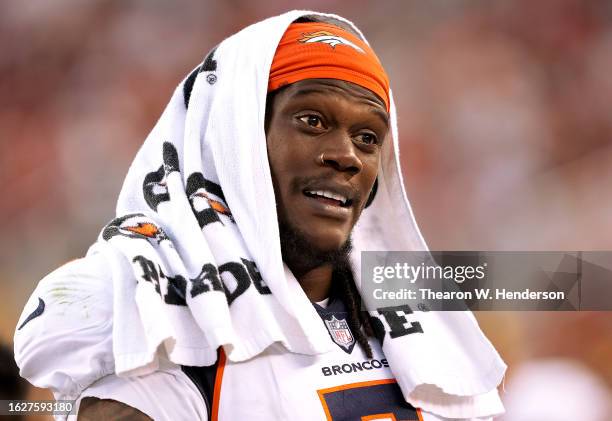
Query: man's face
x=324, y=140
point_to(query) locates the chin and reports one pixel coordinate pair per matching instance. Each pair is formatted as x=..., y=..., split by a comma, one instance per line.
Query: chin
x=329, y=243
x=313, y=240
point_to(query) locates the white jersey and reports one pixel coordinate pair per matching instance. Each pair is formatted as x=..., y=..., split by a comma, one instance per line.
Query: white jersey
x=72, y=335
x=278, y=385
x=340, y=385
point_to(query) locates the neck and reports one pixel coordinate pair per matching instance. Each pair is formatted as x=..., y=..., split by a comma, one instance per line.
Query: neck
x=316, y=282
x=312, y=267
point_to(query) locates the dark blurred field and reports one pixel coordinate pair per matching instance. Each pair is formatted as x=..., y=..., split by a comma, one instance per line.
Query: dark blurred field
x=504, y=116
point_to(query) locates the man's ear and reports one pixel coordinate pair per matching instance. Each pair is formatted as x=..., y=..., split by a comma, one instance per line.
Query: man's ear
x=372, y=193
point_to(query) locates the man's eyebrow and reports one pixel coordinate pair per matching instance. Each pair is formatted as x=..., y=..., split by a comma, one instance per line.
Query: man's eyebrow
x=308, y=91
x=383, y=114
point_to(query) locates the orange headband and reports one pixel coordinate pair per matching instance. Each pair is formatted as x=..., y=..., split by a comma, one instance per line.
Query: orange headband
x=316, y=50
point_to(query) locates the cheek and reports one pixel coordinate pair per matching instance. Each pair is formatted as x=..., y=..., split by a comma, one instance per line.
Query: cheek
x=275, y=153
x=278, y=158
x=287, y=155
x=282, y=162
x=370, y=170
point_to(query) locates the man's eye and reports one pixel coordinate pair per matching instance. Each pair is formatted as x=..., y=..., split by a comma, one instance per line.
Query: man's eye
x=312, y=121
x=367, y=138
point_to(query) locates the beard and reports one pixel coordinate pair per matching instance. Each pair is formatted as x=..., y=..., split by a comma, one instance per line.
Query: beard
x=301, y=255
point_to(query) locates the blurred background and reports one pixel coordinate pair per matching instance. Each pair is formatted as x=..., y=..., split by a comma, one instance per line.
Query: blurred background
x=505, y=129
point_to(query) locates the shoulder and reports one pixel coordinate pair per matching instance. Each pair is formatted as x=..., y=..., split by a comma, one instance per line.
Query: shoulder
x=166, y=394
x=63, y=339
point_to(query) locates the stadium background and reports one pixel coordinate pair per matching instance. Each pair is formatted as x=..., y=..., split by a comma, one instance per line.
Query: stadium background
x=505, y=128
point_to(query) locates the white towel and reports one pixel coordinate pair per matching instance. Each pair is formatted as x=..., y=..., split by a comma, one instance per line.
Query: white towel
x=197, y=209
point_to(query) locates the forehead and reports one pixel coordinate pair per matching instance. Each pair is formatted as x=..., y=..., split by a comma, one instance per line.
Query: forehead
x=327, y=88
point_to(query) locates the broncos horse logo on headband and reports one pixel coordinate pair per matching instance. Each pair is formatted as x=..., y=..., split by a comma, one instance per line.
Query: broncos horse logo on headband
x=328, y=38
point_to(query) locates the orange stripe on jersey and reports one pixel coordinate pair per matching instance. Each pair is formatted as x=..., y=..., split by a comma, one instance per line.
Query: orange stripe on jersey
x=419, y=414
x=217, y=389
x=375, y=417
x=324, y=404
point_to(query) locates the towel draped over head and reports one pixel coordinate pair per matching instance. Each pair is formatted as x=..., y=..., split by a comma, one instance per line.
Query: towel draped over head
x=195, y=251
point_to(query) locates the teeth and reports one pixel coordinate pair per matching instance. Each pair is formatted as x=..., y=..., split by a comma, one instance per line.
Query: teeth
x=329, y=195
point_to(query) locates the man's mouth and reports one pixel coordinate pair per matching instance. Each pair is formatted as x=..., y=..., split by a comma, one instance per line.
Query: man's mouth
x=329, y=197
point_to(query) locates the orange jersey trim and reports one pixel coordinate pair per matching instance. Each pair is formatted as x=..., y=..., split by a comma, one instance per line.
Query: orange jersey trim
x=375, y=417
x=418, y=411
x=322, y=392
x=217, y=388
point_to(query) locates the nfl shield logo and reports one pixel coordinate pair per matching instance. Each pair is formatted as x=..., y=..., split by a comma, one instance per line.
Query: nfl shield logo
x=340, y=333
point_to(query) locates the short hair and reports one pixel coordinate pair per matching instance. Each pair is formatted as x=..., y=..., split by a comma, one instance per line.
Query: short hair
x=328, y=19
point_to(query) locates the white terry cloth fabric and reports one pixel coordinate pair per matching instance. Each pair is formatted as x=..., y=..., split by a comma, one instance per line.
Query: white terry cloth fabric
x=197, y=209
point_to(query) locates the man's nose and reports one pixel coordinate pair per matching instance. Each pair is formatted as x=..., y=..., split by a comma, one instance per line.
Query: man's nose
x=340, y=153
